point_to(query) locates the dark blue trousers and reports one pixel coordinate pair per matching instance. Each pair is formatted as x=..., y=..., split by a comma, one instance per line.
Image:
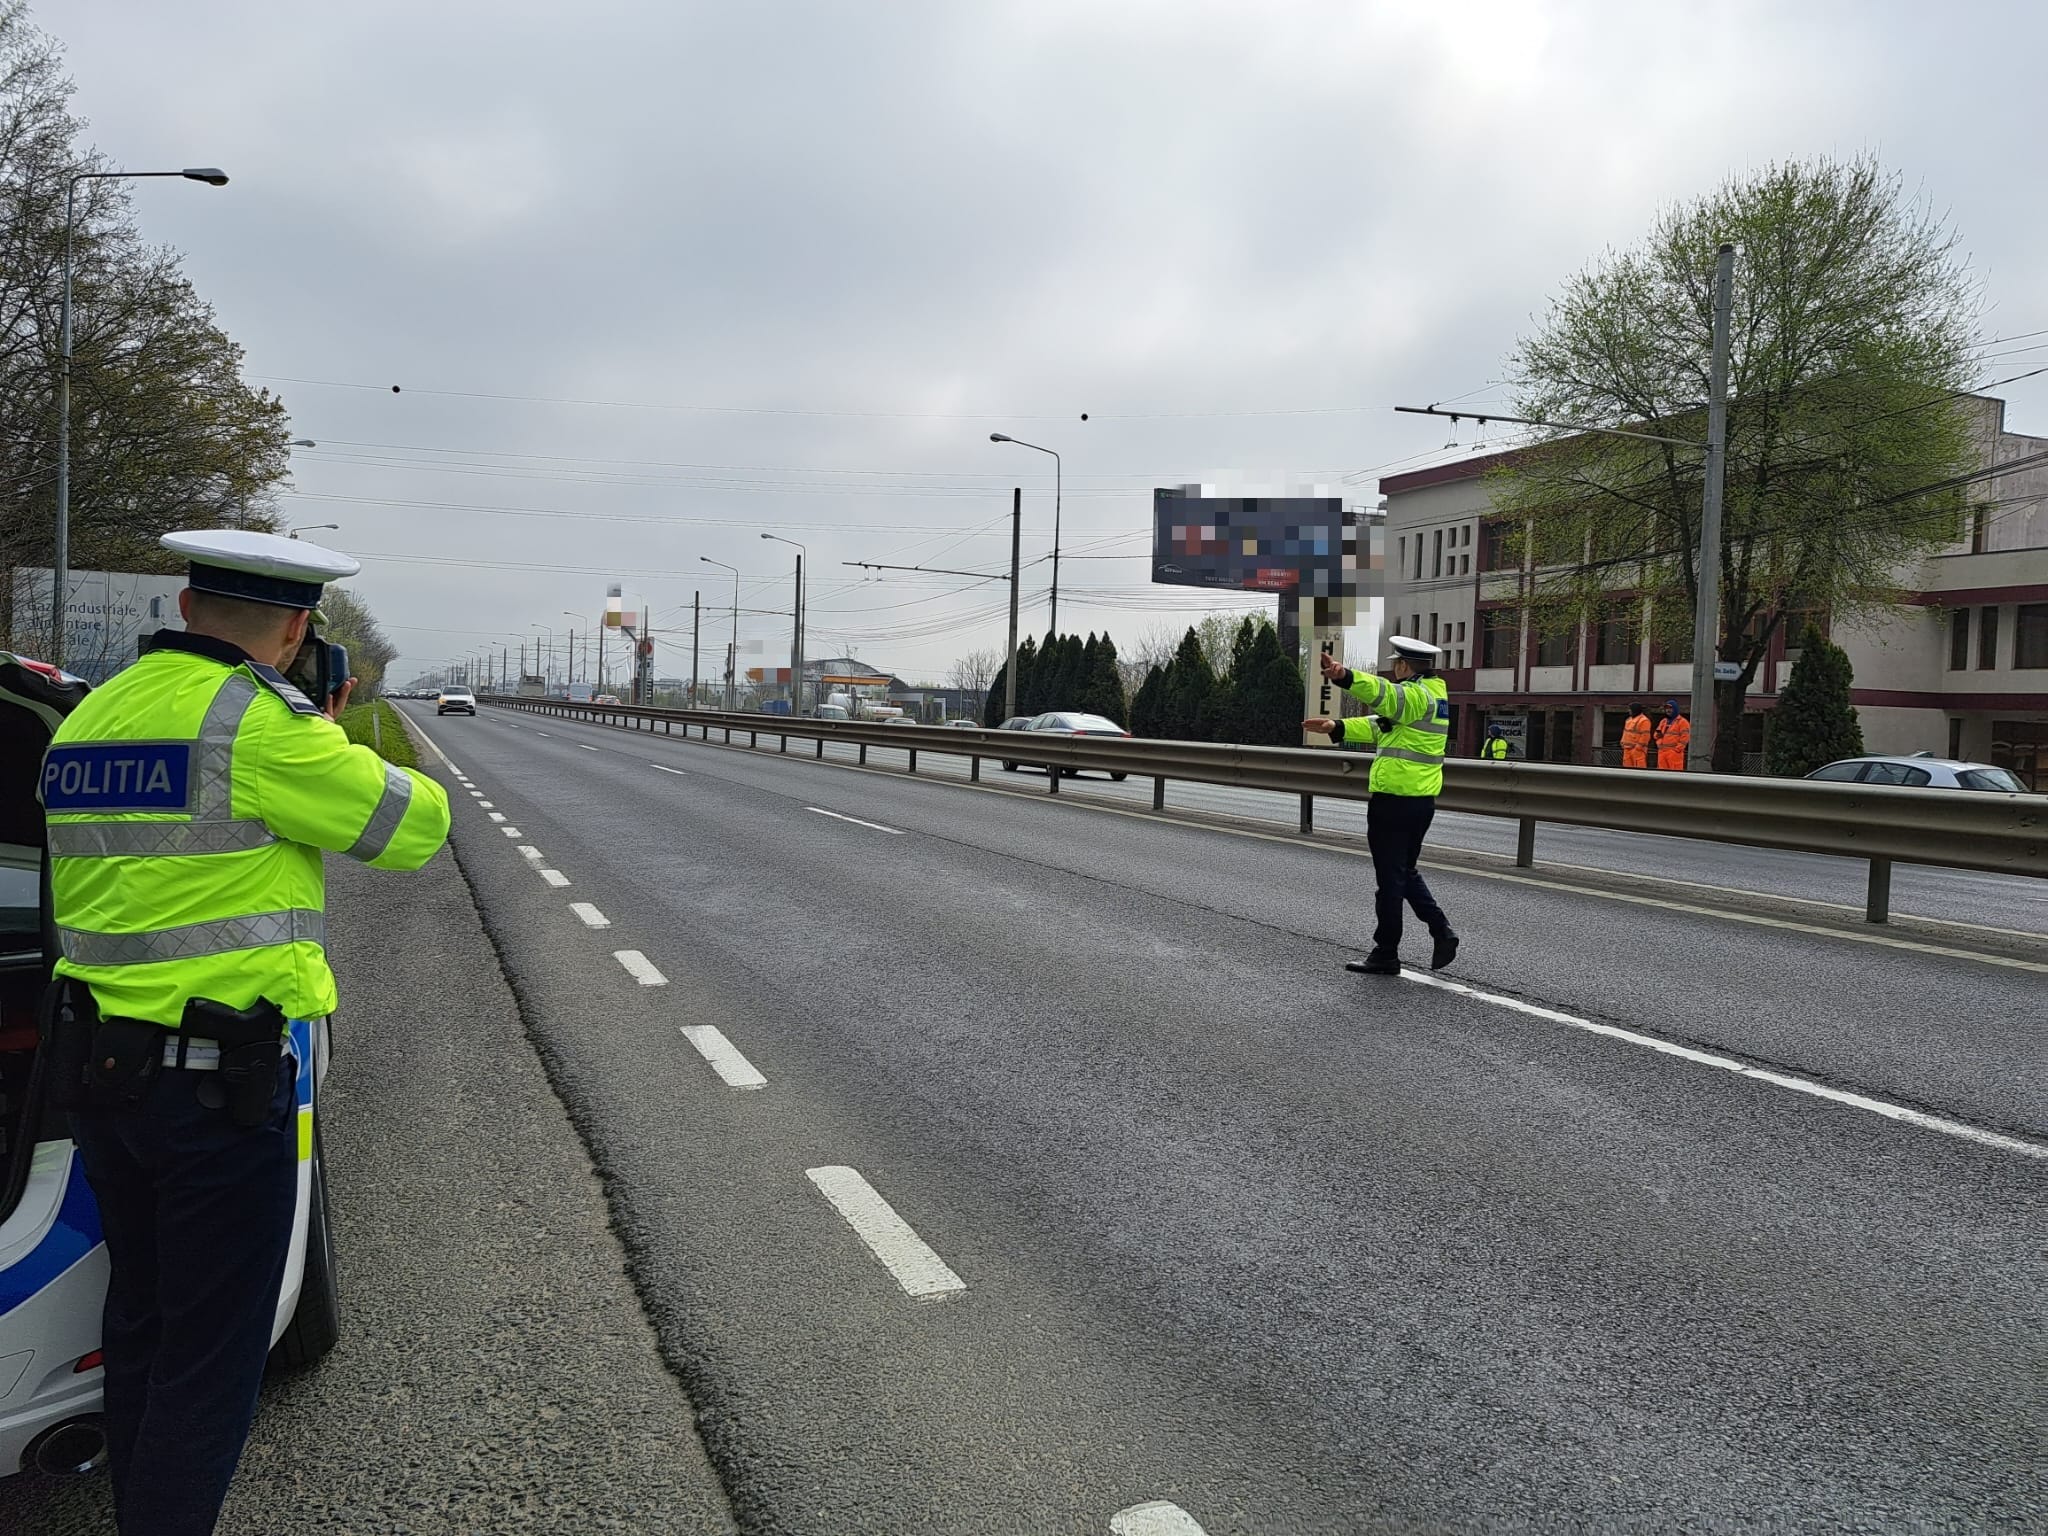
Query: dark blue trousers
x=197, y=1213
x=1395, y=826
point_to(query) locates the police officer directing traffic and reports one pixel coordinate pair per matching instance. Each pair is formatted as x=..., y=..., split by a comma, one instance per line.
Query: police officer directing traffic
x=1409, y=738
x=189, y=800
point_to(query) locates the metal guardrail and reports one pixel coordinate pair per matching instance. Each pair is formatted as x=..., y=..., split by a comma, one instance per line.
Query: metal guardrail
x=2004, y=834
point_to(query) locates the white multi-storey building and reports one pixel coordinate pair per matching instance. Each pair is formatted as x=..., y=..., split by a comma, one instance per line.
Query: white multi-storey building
x=1960, y=670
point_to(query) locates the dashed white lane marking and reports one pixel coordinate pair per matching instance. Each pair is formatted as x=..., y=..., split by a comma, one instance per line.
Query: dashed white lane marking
x=554, y=877
x=1158, y=1518
x=586, y=746
x=908, y=1257
x=873, y=826
x=724, y=1056
x=543, y=733
x=485, y=805
x=527, y=850
x=638, y=966
x=664, y=767
x=497, y=815
x=476, y=794
x=511, y=831
x=1728, y=1064
x=592, y=918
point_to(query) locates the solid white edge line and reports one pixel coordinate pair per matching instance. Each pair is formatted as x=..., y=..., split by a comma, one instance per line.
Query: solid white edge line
x=916, y=1266
x=527, y=850
x=553, y=877
x=640, y=968
x=666, y=769
x=1803, y=1085
x=873, y=826
x=710, y=1043
x=1158, y=1518
x=592, y=918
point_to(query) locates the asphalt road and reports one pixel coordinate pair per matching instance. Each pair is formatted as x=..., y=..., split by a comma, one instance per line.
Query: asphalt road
x=1673, y=1221
x=496, y=1374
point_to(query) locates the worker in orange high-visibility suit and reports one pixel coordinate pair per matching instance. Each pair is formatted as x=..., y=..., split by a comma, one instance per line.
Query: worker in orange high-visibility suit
x=1674, y=735
x=1635, y=738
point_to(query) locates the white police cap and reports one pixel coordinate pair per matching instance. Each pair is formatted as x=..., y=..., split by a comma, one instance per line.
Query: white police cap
x=259, y=567
x=1415, y=650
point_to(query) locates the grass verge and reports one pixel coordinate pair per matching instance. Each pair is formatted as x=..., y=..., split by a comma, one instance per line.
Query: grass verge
x=376, y=724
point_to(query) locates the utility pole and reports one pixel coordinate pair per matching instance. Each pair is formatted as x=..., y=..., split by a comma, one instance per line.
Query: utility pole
x=1016, y=587
x=1706, y=617
x=696, y=631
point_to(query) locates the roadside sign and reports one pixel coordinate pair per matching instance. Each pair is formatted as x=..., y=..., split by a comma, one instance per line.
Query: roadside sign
x=1727, y=671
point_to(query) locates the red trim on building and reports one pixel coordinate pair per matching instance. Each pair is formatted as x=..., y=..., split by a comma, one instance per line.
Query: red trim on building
x=1970, y=597
x=1949, y=703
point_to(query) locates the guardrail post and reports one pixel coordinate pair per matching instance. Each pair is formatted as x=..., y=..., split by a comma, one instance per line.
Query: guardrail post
x=1308, y=814
x=913, y=759
x=668, y=728
x=821, y=749
x=863, y=754
x=753, y=740
x=1052, y=778
x=1525, y=842
x=785, y=746
x=728, y=735
x=974, y=770
x=1158, y=794
x=1877, y=900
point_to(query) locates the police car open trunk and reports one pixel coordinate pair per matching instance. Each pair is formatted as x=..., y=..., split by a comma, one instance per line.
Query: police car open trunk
x=33, y=699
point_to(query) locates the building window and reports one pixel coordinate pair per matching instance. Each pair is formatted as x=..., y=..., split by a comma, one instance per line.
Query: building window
x=1465, y=564
x=2030, y=635
x=1418, y=557
x=1401, y=552
x=1959, y=640
x=1493, y=546
x=1415, y=625
x=1677, y=648
x=1987, y=639
x=1432, y=629
x=1460, y=636
x=1500, y=631
x=1436, y=557
x=1955, y=737
x=1614, y=640
x=1556, y=650
x=1803, y=626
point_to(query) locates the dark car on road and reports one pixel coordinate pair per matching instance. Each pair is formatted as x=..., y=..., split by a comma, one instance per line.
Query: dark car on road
x=1064, y=722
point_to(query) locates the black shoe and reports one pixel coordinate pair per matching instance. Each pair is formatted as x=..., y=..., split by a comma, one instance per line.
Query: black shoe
x=1445, y=952
x=1378, y=963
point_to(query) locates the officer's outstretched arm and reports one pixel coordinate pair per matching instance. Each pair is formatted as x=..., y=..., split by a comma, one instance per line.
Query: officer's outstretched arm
x=1360, y=730
x=315, y=786
x=1401, y=703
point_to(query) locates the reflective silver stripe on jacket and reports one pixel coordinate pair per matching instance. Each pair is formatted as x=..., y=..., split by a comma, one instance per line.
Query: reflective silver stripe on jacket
x=259, y=930
x=212, y=827
x=384, y=820
x=1408, y=755
x=146, y=839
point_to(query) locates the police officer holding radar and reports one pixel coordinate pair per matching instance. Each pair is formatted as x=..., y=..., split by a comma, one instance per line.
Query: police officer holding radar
x=1409, y=737
x=189, y=800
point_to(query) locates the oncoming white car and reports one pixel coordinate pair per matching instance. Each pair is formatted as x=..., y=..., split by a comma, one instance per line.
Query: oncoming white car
x=53, y=1264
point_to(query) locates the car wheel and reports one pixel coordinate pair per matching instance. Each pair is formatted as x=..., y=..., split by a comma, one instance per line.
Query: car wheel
x=1009, y=767
x=316, y=1320
x=1119, y=777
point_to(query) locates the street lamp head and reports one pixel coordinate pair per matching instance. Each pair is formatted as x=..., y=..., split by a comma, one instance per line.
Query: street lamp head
x=212, y=175
x=302, y=442
x=1001, y=437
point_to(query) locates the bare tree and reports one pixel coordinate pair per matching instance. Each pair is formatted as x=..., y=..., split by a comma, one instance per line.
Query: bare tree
x=975, y=670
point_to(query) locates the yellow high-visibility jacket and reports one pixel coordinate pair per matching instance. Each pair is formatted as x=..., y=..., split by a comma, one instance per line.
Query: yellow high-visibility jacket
x=1411, y=735
x=188, y=801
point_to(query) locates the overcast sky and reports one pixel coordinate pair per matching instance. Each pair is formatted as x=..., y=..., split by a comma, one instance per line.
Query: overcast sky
x=786, y=266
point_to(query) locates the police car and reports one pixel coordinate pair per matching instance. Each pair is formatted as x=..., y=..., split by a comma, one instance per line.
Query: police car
x=53, y=1265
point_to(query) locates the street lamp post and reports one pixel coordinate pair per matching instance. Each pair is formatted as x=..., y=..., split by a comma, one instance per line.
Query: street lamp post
x=298, y=528
x=548, y=671
x=732, y=656
x=570, y=613
x=1004, y=437
x=796, y=642
x=61, y=558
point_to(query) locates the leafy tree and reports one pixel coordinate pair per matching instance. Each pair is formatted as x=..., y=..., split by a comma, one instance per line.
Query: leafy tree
x=1189, y=702
x=1105, y=691
x=1267, y=694
x=1815, y=722
x=1148, y=707
x=164, y=433
x=1853, y=339
x=992, y=710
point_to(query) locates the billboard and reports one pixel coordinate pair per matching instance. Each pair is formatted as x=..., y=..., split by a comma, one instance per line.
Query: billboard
x=105, y=613
x=1299, y=546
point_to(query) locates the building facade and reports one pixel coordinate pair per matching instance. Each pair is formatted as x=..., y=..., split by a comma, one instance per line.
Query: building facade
x=1960, y=670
